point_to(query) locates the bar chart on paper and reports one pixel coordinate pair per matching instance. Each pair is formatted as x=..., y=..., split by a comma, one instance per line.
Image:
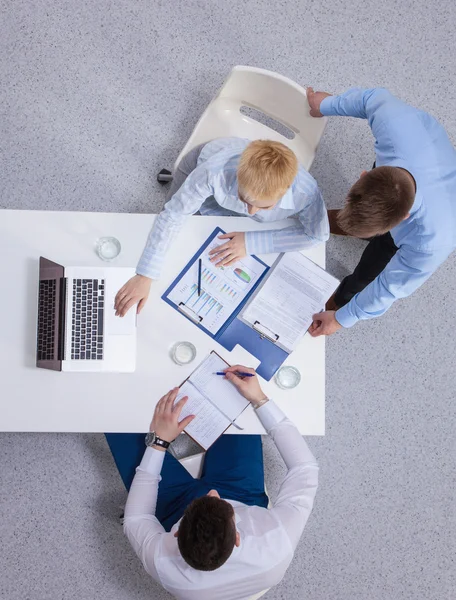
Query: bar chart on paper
x=222, y=289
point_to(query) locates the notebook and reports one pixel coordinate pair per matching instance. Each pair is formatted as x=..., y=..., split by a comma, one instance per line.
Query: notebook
x=213, y=400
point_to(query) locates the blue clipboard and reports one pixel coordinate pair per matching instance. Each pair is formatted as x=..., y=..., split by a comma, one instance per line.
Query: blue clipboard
x=233, y=331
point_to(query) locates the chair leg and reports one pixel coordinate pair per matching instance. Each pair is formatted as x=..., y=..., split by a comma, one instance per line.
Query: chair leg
x=164, y=176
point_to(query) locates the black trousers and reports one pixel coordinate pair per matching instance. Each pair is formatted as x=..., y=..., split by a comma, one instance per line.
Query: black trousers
x=379, y=251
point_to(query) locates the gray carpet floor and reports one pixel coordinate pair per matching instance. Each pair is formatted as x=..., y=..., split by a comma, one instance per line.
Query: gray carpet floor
x=97, y=96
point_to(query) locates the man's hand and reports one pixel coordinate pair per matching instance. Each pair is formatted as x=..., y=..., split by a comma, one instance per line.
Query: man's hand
x=324, y=323
x=165, y=422
x=249, y=387
x=230, y=252
x=136, y=290
x=314, y=99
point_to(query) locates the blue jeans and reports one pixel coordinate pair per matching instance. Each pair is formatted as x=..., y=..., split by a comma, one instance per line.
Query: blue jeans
x=233, y=466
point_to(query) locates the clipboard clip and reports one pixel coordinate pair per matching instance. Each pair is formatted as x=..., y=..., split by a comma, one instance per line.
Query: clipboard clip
x=265, y=332
x=191, y=314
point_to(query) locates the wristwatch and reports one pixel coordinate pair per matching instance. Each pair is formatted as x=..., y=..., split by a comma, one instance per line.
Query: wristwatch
x=152, y=439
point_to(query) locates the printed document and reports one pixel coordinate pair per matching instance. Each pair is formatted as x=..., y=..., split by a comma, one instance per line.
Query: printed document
x=223, y=289
x=294, y=290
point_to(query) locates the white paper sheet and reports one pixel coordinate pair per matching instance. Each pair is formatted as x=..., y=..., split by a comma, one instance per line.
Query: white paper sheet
x=221, y=392
x=222, y=288
x=209, y=423
x=295, y=290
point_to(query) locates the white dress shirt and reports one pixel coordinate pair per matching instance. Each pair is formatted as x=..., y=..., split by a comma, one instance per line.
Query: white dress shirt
x=268, y=536
x=212, y=189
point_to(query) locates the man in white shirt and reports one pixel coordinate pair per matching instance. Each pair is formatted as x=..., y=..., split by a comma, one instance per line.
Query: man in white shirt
x=199, y=538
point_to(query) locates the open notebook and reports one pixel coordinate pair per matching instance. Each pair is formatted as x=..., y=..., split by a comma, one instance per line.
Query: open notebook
x=213, y=400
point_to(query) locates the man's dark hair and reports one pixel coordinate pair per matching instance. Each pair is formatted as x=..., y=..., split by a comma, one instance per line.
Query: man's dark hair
x=207, y=533
x=377, y=202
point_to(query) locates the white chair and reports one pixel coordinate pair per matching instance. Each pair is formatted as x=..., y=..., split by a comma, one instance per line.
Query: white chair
x=275, y=96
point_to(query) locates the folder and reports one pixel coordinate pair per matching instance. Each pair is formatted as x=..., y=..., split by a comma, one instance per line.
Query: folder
x=230, y=330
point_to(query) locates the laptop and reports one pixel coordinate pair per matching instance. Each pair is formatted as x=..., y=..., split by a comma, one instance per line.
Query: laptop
x=77, y=326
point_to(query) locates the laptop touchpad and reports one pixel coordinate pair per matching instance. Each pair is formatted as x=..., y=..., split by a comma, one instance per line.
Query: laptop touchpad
x=117, y=325
x=121, y=325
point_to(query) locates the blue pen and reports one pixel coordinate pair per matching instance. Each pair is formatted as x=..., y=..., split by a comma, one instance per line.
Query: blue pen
x=238, y=373
x=200, y=262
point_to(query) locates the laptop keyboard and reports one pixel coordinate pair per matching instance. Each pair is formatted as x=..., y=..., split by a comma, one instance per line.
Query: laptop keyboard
x=46, y=318
x=87, y=319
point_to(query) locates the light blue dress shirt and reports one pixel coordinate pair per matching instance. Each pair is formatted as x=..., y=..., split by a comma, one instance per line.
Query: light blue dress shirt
x=409, y=138
x=212, y=189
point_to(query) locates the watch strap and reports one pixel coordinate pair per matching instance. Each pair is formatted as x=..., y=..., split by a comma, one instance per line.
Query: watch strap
x=152, y=439
x=159, y=442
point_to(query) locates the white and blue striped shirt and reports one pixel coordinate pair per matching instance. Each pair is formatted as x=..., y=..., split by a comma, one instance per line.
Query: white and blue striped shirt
x=212, y=189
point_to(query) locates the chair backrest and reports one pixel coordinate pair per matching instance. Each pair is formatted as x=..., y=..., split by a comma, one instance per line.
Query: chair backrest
x=275, y=97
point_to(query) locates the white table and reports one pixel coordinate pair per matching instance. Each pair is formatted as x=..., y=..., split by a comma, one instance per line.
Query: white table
x=39, y=400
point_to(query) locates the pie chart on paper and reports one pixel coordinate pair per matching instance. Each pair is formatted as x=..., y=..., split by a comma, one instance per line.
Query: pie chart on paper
x=242, y=275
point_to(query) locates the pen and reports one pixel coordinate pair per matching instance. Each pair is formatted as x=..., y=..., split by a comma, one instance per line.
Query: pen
x=200, y=262
x=239, y=374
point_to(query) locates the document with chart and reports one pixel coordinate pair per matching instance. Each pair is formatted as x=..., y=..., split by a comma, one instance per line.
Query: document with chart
x=283, y=306
x=223, y=289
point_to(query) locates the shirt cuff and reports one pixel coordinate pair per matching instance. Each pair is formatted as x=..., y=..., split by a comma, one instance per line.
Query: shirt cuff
x=345, y=317
x=270, y=414
x=152, y=461
x=147, y=269
x=327, y=106
x=259, y=242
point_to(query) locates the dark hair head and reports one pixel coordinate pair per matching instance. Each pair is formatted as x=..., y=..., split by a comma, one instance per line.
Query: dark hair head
x=207, y=533
x=377, y=202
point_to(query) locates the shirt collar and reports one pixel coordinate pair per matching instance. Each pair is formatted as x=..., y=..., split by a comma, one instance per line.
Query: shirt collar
x=287, y=199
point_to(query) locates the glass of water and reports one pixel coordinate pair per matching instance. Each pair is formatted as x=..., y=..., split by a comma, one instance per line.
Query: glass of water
x=183, y=353
x=108, y=248
x=288, y=378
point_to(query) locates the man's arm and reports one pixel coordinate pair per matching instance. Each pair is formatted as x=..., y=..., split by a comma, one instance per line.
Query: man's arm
x=312, y=228
x=297, y=492
x=406, y=271
x=185, y=202
x=375, y=104
x=141, y=526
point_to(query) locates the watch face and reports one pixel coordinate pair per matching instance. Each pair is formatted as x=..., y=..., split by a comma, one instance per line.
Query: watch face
x=150, y=438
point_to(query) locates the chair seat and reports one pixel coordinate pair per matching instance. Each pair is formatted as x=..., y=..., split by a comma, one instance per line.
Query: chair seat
x=194, y=464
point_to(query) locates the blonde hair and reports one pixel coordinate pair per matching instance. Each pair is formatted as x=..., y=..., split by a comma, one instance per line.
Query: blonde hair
x=266, y=170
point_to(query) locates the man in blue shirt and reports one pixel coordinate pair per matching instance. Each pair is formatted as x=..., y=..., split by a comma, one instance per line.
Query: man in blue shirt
x=407, y=205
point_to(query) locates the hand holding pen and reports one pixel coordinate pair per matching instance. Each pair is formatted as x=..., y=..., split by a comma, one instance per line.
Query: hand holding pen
x=247, y=384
